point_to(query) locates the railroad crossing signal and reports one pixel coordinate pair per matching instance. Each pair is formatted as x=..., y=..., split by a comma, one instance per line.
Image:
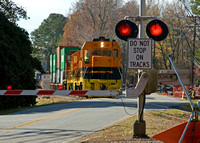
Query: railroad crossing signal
x=126, y=29
x=155, y=29
x=9, y=87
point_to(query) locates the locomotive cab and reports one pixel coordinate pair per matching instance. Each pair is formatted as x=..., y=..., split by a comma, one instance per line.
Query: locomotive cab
x=97, y=66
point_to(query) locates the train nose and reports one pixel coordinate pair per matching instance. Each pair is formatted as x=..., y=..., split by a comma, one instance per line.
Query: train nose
x=103, y=87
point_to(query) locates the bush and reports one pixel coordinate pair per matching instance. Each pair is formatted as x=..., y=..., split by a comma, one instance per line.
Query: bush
x=10, y=102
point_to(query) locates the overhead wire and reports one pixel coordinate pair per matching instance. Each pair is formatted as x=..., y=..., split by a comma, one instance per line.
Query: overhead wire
x=196, y=62
x=188, y=11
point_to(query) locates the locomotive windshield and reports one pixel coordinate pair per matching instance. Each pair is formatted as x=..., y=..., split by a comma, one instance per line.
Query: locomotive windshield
x=102, y=53
x=106, y=53
x=115, y=53
x=96, y=52
x=87, y=56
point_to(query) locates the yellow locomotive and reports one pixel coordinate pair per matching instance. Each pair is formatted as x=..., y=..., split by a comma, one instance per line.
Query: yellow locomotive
x=96, y=66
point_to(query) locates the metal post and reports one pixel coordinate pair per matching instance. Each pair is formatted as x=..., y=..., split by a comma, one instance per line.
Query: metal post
x=140, y=125
x=182, y=84
x=154, y=55
x=182, y=136
x=141, y=35
x=198, y=106
x=141, y=13
x=193, y=51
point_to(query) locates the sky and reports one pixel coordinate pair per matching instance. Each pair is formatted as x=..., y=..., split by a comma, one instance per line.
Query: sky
x=38, y=10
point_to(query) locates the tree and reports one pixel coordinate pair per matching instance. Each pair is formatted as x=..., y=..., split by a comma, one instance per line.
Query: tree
x=176, y=45
x=12, y=11
x=16, y=64
x=47, y=36
x=131, y=8
x=91, y=19
x=195, y=7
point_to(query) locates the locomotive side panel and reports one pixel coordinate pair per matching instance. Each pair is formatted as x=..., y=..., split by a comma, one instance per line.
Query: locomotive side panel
x=98, y=66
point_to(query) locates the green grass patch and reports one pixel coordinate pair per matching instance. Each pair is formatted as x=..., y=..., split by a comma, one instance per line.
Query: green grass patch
x=188, y=106
x=156, y=122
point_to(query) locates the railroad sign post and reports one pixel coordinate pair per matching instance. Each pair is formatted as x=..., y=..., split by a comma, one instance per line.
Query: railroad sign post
x=139, y=56
x=139, y=53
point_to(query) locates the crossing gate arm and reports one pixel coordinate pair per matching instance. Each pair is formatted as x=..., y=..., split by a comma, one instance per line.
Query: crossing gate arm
x=103, y=92
x=2, y=92
x=61, y=92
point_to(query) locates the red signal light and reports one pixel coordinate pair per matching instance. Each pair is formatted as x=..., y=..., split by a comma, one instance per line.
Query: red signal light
x=9, y=87
x=157, y=30
x=126, y=29
x=60, y=87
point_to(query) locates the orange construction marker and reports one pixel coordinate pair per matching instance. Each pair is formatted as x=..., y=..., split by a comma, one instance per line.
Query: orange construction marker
x=173, y=134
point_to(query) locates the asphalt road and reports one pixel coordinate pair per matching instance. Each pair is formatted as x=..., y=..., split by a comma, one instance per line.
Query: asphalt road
x=60, y=123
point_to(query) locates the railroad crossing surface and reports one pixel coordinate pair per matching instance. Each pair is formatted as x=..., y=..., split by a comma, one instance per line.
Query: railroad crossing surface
x=60, y=123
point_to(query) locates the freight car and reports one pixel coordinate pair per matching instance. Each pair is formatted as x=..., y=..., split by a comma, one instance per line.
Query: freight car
x=96, y=66
x=59, y=64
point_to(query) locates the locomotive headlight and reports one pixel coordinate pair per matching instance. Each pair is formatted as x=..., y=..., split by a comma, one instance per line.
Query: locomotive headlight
x=102, y=44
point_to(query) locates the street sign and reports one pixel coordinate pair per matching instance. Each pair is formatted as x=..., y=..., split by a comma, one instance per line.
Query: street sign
x=139, y=53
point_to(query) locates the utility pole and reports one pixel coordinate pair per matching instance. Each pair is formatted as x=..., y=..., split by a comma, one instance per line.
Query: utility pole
x=194, y=19
x=194, y=49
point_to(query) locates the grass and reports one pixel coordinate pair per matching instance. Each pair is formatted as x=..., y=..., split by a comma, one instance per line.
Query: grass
x=172, y=112
x=188, y=106
x=53, y=100
x=156, y=121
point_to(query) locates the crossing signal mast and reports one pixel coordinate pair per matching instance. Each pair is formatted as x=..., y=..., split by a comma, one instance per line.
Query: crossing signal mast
x=128, y=31
x=155, y=29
